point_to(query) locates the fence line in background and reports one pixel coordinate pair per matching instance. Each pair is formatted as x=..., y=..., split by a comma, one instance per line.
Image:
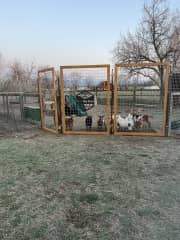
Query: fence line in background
x=14, y=102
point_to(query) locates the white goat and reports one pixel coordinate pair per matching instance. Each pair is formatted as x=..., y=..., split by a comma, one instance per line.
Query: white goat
x=127, y=122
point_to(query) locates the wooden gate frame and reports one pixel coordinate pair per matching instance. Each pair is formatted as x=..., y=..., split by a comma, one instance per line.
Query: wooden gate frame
x=166, y=80
x=64, y=131
x=43, y=125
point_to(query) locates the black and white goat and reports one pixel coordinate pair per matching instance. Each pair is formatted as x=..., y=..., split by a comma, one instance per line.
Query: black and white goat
x=127, y=122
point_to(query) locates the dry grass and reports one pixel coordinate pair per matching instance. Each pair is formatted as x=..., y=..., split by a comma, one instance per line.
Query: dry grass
x=75, y=187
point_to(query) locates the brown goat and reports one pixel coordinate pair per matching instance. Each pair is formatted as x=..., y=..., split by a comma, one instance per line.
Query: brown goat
x=101, y=122
x=69, y=123
x=141, y=121
x=145, y=123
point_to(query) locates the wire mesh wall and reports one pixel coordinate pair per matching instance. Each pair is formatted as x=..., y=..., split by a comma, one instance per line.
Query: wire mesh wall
x=140, y=98
x=48, y=100
x=85, y=99
x=13, y=104
x=174, y=104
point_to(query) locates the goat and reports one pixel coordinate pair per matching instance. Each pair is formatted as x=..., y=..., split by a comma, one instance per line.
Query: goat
x=145, y=121
x=69, y=123
x=142, y=121
x=101, y=122
x=125, y=122
x=88, y=122
x=137, y=120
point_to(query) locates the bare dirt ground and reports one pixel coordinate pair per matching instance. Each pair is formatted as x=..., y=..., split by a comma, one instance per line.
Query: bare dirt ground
x=87, y=187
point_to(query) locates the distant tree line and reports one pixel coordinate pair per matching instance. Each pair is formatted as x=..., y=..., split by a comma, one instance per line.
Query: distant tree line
x=17, y=76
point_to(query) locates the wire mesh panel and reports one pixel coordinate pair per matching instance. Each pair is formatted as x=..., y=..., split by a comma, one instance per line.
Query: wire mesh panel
x=174, y=109
x=48, y=101
x=31, y=109
x=85, y=99
x=14, y=102
x=140, y=98
x=174, y=121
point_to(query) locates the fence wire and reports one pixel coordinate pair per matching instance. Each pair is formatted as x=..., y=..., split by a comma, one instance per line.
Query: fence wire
x=85, y=98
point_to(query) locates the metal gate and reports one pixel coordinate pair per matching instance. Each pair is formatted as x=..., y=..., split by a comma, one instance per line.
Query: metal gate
x=140, y=99
x=85, y=99
x=48, y=100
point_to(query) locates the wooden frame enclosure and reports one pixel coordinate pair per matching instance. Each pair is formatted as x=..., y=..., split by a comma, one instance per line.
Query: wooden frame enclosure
x=162, y=132
x=106, y=68
x=40, y=90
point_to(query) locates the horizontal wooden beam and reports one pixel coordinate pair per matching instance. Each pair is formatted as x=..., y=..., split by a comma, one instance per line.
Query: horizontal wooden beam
x=86, y=132
x=11, y=93
x=19, y=94
x=85, y=66
x=50, y=69
x=50, y=130
x=143, y=134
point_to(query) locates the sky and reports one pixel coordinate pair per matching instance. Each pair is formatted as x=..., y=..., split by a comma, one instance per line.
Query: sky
x=66, y=32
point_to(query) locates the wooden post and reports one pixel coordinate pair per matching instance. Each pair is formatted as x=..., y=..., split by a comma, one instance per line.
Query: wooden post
x=7, y=106
x=62, y=100
x=170, y=114
x=108, y=106
x=115, y=97
x=21, y=102
x=112, y=102
x=4, y=104
x=41, y=98
x=165, y=100
x=134, y=96
x=54, y=93
x=95, y=97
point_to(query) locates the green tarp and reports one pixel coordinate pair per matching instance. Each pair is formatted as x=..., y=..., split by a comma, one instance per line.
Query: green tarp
x=75, y=106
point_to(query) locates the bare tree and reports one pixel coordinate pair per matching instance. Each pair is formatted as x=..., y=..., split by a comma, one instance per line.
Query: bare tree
x=157, y=39
x=75, y=81
x=89, y=82
x=21, y=76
